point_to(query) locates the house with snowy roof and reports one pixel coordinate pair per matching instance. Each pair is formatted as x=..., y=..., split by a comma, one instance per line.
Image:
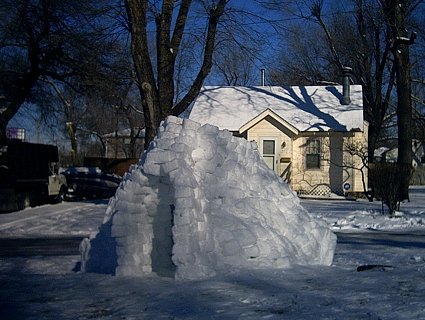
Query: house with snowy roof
x=124, y=143
x=302, y=132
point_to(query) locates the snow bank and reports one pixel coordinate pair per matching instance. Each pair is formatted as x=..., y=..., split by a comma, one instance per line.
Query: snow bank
x=376, y=220
x=201, y=201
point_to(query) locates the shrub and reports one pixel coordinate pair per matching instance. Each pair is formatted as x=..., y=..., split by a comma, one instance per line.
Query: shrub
x=386, y=180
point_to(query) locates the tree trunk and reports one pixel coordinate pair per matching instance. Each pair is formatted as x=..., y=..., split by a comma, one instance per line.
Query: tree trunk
x=214, y=17
x=3, y=126
x=396, y=14
x=70, y=126
x=157, y=88
x=404, y=115
x=152, y=113
x=137, y=15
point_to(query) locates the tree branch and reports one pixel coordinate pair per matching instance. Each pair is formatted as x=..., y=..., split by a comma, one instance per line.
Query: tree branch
x=316, y=10
x=179, y=26
x=215, y=14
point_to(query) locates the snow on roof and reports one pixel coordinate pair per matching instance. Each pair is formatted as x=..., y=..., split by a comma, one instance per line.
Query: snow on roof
x=307, y=108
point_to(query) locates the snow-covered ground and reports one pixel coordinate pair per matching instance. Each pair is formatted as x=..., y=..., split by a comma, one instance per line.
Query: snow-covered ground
x=363, y=215
x=46, y=287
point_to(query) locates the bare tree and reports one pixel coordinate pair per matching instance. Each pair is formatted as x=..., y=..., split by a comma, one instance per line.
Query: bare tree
x=396, y=14
x=419, y=114
x=89, y=114
x=357, y=38
x=69, y=100
x=46, y=41
x=371, y=37
x=157, y=86
x=234, y=64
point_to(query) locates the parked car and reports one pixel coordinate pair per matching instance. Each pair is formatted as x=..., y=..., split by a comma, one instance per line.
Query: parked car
x=89, y=183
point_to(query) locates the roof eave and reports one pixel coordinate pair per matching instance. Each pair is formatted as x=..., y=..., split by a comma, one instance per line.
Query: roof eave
x=263, y=115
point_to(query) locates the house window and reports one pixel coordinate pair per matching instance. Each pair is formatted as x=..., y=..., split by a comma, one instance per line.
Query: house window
x=312, y=154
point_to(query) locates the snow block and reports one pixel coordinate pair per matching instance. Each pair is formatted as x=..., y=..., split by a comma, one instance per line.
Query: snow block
x=198, y=202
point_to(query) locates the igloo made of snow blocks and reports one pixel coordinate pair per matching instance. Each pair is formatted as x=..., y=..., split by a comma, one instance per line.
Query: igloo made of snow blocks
x=201, y=201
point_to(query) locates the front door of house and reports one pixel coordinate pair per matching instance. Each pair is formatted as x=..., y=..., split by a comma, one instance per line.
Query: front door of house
x=268, y=151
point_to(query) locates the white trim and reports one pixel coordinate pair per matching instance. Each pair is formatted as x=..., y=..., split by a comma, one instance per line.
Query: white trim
x=264, y=114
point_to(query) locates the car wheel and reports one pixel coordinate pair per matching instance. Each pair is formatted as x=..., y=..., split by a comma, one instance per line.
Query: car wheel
x=61, y=196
